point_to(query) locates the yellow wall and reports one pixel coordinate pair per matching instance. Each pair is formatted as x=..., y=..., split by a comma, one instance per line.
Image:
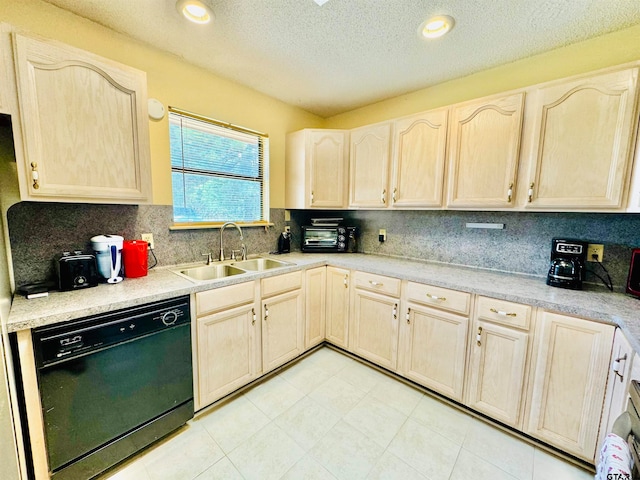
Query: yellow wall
x=607, y=50
x=173, y=82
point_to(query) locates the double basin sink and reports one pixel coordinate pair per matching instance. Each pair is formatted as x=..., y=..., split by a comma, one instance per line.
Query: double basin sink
x=223, y=270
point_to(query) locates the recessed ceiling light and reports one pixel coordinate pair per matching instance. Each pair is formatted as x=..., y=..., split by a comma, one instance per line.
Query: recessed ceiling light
x=194, y=10
x=436, y=26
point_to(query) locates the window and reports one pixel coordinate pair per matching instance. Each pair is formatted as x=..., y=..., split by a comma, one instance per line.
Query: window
x=218, y=171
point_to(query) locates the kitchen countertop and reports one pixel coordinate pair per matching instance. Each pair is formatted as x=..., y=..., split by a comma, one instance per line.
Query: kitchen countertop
x=162, y=283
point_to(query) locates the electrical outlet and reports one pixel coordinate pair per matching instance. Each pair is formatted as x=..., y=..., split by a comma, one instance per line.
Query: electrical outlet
x=287, y=229
x=148, y=237
x=382, y=235
x=595, y=249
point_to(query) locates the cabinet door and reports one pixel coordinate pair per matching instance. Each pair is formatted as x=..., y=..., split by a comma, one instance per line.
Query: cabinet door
x=484, y=148
x=85, y=126
x=418, y=160
x=435, y=349
x=328, y=157
x=315, y=311
x=497, y=371
x=583, y=134
x=369, y=160
x=228, y=352
x=282, y=329
x=568, y=382
x=374, y=328
x=337, y=328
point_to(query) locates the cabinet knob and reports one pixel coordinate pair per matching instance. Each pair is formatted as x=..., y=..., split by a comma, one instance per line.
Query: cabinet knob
x=510, y=192
x=531, y=192
x=253, y=316
x=408, y=316
x=34, y=175
x=479, y=337
x=266, y=312
x=436, y=297
x=395, y=190
x=376, y=284
x=312, y=197
x=615, y=366
x=395, y=311
x=384, y=197
x=503, y=314
x=346, y=281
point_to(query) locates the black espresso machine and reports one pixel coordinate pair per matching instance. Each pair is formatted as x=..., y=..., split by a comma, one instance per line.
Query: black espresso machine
x=568, y=262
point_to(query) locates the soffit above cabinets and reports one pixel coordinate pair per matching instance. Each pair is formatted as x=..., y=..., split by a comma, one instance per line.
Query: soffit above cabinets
x=344, y=54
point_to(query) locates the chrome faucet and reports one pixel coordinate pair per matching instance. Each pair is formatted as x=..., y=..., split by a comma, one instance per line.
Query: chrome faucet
x=244, y=249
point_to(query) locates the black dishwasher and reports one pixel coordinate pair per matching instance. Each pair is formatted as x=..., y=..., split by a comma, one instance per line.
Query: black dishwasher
x=111, y=384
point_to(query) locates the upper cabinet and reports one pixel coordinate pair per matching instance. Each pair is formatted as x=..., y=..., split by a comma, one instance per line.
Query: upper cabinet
x=582, y=141
x=317, y=163
x=369, y=172
x=84, y=126
x=484, y=149
x=419, y=148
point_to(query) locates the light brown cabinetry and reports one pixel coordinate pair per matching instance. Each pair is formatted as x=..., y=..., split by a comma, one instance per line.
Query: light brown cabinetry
x=369, y=157
x=228, y=341
x=315, y=281
x=498, y=359
x=337, y=313
x=373, y=326
x=582, y=141
x=484, y=150
x=568, y=380
x=282, y=319
x=433, y=342
x=419, y=149
x=84, y=126
x=316, y=169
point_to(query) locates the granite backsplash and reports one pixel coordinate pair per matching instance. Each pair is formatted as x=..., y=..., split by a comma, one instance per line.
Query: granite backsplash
x=523, y=246
x=39, y=232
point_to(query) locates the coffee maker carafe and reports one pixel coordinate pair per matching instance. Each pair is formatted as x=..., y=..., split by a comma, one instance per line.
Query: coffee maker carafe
x=108, y=249
x=568, y=260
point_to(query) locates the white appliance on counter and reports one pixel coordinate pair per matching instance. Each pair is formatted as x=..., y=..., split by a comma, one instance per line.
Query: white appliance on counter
x=108, y=249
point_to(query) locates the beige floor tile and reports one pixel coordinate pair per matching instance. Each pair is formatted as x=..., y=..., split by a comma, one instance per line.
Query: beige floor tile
x=390, y=467
x=337, y=395
x=234, y=422
x=546, y=466
x=329, y=360
x=376, y=420
x=184, y=456
x=132, y=470
x=505, y=451
x=361, y=376
x=268, y=454
x=308, y=469
x=446, y=420
x=274, y=396
x=428, y=452
x=305, y=376
x=223, y=469
x=307, y=422
x=469, y=466
x=346, y=452
x=396, y=394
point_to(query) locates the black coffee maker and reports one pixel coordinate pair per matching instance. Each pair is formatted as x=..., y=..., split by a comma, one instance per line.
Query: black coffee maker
x=568, y=260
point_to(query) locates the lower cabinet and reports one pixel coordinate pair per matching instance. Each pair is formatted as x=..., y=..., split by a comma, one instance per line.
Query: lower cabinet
x=282, y=320
x=568, y=382
x=315, y=281
x=373, y=329
x=337, y=307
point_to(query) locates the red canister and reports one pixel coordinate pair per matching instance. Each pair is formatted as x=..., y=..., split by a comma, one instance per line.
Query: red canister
x=135, y=258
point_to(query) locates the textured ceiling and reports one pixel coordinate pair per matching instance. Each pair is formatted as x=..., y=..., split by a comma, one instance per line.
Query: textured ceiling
x=348, y=53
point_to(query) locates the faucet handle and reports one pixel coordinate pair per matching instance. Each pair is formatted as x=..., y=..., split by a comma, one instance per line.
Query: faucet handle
x=233, y=254
x=209, y=258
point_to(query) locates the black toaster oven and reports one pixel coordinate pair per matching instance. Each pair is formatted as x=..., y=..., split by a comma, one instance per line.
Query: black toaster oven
x=328, y=239
x=76, y=270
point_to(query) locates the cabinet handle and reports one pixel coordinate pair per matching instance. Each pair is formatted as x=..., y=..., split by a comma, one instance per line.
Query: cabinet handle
x=503, y=314
x=345, y=281
x=266, y=312
x=408, y=316
x=376, y=284
x=34, y=175
x=384, y=198
x=510, y=192
x=253, y=316
x=615, y=366
x=395, y=311
x=312, y=197
x=479, y=337
x=395, y=190
x=531, y=192
x=435, y=297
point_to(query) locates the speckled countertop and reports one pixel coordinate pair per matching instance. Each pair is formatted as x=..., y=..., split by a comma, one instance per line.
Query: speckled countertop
x=163, y=283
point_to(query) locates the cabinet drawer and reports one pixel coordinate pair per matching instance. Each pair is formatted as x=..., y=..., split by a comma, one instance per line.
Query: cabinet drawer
x=281, y=283
x=438, y=297
x=505, y=313
x=225, y=297
x=377, y=283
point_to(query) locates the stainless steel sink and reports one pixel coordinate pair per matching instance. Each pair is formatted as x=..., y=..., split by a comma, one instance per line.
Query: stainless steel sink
x=212, y=272
x=260, y=264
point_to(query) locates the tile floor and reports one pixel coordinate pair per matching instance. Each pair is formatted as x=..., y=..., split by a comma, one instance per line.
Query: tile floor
x=331, y=417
